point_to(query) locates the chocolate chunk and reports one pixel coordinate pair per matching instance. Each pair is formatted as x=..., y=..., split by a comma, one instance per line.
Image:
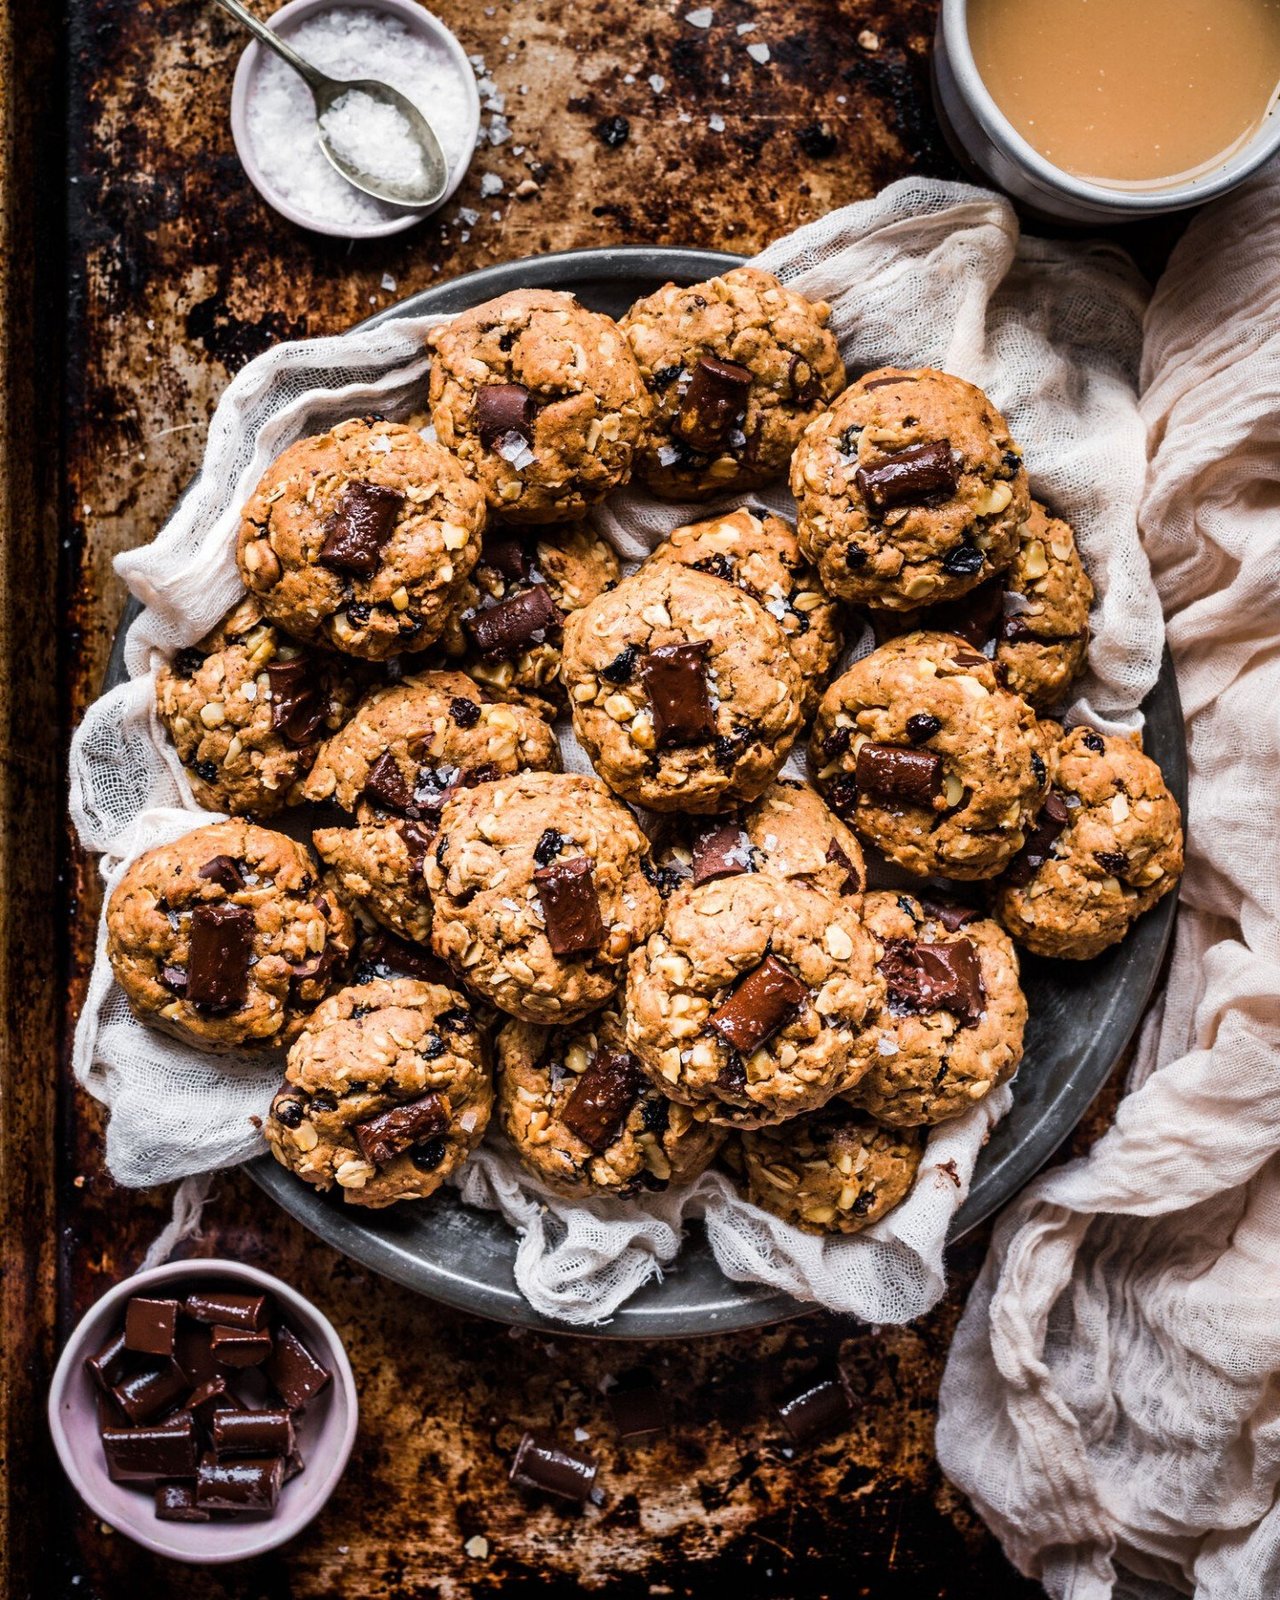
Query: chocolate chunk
x=110, y=1364
x=150, y=1326
x=601, y=1099
x=355, y=534
x=208, y=1398
x=763, y=1002
x=839, y=857
x=935, y=977
x=974, y=617
x=221, y=947
x=950, y=913
x=638, y=1410
x=713, y=404
x=892, y=773
x=174, y=979
x=297, y=705
x=915, y=475
x=465, y=713
x=540, y=1464
x=508, y=628
x=192, y=1352
x=252, y=1433
x=141, y=1455
x=1113, y=861
x=240, y=1485
x=145, y=1394
x=240, y=1347
x=503, y=408
x=675, y=679
x=570, y=906
x=176, y=1502
x=721, y=852
x=398, y=1129
x=885, y=383
x=224, y=1309
x=921, y=727
x=387, y=785
x=803, y=380
x=383, y=956
x=293, y=1372
x=417, y=841
x=817, y=1412
x=507, y=554
x=1053, y=818
x=225, y=872
x=293, y=1465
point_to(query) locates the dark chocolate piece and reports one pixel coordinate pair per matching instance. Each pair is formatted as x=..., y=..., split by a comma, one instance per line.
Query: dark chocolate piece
x=293, y=1372
x=765, y=1000
x=570, y=906
x=884, y=383
x=208, y=1398
x=1053, y=818
x=601, y=1099
x=140, y=1455
x=506, y=629
x=840, y=858
x=935, y=977
x=225, y=872
x=221, y=947
x=384, y=956
x=713, y=404
x=355, y=534
x=241, y=1485
x=817, y=1412
x=540, y=1464
x=910, y=476
x=253, y=1433
x=950, y=913
x=150, y=1326
x=146, y=1393
x=803, y=380
x=110, y=1364
x=922, y=726
x=638, y=1412
x=176, y=1502
x=386, y=783
x=111, y=1414
x=394, y=1131
x=506, y=553
x=974, y=617
x=503, y=408
x=224, y=1309
x=191, y=1350
x=293, y=1465
x=297, y=705
x=721, y=852
x=240, y=1347
x=892, y=772
x=675, y=679
x=174, y=979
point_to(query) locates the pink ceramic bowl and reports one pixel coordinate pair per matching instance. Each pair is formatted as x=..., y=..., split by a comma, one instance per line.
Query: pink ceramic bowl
x=326, y=1429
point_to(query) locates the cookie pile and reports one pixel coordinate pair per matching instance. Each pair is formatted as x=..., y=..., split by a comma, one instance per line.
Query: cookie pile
x=677, y=955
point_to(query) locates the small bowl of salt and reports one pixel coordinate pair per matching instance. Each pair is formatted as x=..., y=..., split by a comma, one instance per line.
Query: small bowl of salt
x=273, y=118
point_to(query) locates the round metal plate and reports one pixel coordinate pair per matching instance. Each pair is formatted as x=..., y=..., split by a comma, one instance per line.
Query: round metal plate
x=1083, y=1015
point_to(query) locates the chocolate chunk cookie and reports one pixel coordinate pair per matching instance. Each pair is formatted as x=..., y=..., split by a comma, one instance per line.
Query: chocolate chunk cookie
x=833, y=1172
x=737, y=366
x=386, y=1092
x=683, y=691
x=760, y=553
x=750, y=1004
x=1105, y=848
x=583, y=1118
x=924, y=752
x=951, y=1028
x=361, y=538
x=224, y=938
x=247, y=708
x=540, y=893
x=909, y=490
x=541, y=400
x=379, y=868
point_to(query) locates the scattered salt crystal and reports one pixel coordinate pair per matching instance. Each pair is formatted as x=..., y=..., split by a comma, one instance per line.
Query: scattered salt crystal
x=499, y=130
x=468, y=217
x=746, y=27
x=668, y=455
x=701, y=18
x=657, y=82
x=388, y=283
x=758, y=52
x=581, y=1435
x=628, y=77
x=514, y=448
x=684, y=116
x=380, y=444
x=490, y=184
x=477, y=1547
x=715, y=122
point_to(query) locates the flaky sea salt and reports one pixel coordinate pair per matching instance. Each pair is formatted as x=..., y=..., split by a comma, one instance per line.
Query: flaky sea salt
x=374, y=139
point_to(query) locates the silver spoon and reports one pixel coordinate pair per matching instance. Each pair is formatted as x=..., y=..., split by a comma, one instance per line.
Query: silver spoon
x=326, y=92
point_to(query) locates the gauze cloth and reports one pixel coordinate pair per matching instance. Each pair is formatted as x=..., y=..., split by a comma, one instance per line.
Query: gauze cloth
x=1113, y=1393
x=925, y=274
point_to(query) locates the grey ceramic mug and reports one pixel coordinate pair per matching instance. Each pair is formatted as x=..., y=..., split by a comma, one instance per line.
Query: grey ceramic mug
x=980, y=132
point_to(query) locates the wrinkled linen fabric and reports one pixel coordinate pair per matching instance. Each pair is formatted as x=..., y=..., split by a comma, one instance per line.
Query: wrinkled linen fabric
x=1112, y=1397
x=925, y=274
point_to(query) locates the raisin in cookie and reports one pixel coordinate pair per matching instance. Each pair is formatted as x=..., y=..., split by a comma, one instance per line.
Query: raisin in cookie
x=683, y=691
x=760, y=553
x=362, y=538
x=224, y=938
x=924, y=752
x=541, y=401
x=247, y=708
x=750, y=1003
x=737, y=367
x=540, y=893
x=833, y=1172
x=582, y=1117
x=386, y=1092
x=951, y=1029
x=1105, y=848
x=909, y=490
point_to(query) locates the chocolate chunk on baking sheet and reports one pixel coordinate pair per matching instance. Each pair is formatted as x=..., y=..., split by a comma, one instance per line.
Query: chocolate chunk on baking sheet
x=601, y=1099
x=894, y=773
x=570, y=906
x=765, y=1000
x=935, y=977
x=399, y=1128
x=541, y=1464
x=354, y=536
x=916, y=474
x=221, y=947
x=816, y=1412
x=511, y=626
x=675, y=679
x=714, y=402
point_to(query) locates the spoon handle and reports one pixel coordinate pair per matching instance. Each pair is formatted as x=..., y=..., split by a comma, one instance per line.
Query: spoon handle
x=315, y=78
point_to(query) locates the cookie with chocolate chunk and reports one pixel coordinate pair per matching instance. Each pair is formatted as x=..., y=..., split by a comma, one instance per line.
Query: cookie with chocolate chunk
x=540, y=893
x=248, y=707
x=583, y=1118
x=684, y=694
x=1106, y=847
x=737, y=367
x=909, y=490
x=225, y=938
x=386, y=1093
x=540, y=400
x=924, y=752
x=379, y=868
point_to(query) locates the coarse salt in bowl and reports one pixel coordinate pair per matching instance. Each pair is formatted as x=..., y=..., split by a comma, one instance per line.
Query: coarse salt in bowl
x=273, y=119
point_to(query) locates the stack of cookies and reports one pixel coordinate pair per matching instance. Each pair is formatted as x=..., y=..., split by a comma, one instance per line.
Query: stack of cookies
x=675, y=956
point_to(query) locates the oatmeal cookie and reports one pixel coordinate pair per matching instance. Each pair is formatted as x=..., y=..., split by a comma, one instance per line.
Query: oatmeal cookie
x=1105, y=848
x=909, y=490
x=737, y=367
x=540, y=893
x=951, y=1029
x=378, y=867
x=684, y=694
x=541, y=401
x=750, y=1003
x=247, y=708
x=582, y=1117
x=386, y=1092
x=760, y=553
x=920, y=748
x=224, y=938
x=833, y=1172
x=361, y=538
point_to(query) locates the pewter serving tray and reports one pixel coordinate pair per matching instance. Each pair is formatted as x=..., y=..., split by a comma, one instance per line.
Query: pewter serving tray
x=1082, y=1015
